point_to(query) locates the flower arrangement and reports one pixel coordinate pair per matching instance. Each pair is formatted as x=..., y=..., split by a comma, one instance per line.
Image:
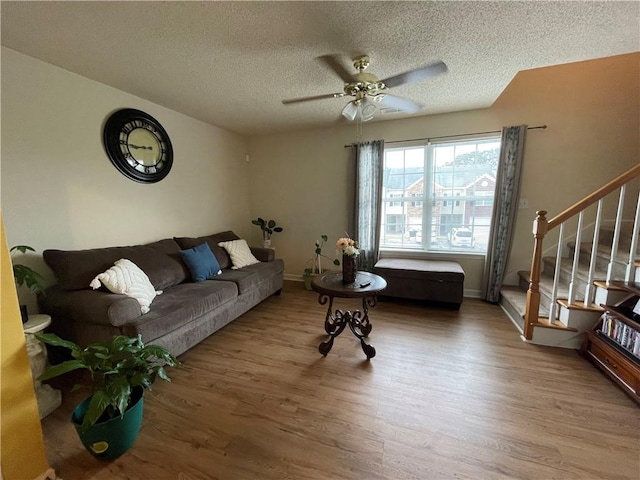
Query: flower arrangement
x=348, y=246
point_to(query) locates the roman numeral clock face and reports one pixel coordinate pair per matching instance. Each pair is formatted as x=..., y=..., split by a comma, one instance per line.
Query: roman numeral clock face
x=138, y=146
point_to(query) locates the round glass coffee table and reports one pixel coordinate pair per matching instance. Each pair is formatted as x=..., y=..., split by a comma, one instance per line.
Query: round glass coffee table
x=366, y=287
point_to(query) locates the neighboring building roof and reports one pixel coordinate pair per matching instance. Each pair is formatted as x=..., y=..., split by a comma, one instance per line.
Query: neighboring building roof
x=459, y=176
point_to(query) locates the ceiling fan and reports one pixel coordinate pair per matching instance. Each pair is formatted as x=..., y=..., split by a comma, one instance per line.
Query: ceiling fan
x=368, y=91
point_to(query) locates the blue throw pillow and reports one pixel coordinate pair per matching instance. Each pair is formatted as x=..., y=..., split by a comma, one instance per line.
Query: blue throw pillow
x=201, y=262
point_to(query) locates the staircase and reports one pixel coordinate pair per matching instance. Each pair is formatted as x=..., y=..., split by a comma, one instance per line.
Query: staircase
x=560, y=297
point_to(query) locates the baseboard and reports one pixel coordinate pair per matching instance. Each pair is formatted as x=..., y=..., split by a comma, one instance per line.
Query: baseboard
x=293, y=278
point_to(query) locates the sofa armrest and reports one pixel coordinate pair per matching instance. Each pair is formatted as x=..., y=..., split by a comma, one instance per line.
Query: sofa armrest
x=90, y=306
x=264, y=254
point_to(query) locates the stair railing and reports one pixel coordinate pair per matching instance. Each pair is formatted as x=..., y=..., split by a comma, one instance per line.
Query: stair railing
x=541, y=226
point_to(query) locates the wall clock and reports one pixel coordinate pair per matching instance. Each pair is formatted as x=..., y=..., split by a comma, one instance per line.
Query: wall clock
x=138, y=146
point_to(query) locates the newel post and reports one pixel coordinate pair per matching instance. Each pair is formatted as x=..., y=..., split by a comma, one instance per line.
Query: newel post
x=540, y=227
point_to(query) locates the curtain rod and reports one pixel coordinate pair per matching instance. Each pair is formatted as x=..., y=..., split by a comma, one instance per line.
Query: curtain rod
x=448, y=136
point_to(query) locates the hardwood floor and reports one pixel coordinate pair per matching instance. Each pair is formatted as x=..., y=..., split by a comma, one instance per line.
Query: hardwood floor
x=448, y=395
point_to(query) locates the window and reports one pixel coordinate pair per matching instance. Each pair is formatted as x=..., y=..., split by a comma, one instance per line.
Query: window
x=394, y=223
x=439, y=197
x=395, y=195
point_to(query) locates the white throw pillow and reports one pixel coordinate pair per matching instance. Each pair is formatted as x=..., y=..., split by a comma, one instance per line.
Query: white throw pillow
x=126, y=278
x=240, y=253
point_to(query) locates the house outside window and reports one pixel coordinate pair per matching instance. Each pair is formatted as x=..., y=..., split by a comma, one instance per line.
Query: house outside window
x=435, y=194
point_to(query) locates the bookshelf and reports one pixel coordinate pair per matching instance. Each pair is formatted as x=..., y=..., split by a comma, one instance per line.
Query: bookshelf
x=613, y=345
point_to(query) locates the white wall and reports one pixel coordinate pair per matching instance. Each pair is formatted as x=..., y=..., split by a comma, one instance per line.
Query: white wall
x=59, y=189
x=592, y=109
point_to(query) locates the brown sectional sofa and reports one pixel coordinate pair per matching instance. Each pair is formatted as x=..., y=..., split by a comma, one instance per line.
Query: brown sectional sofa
x=183, y=315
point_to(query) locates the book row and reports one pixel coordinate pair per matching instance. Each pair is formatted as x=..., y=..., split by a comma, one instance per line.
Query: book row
x=623, y=334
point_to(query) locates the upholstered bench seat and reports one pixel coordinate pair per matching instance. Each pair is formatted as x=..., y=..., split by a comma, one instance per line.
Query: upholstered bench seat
x=433, y=280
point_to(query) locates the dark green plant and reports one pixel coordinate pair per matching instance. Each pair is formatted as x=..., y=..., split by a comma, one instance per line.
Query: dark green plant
x=116, y=368
x=316, y=260
x=267, y=227
x=24, y=275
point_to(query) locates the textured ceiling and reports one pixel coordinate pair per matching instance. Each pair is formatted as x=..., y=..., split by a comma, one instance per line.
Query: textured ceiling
x=231, y=63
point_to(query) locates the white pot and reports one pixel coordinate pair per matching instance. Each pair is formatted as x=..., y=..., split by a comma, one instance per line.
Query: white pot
x=266, y=243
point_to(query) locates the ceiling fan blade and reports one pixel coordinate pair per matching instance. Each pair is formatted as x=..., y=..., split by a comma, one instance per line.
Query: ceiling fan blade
x=416, y=75
x=309, y=99
x=399, y=103
x=333, y=62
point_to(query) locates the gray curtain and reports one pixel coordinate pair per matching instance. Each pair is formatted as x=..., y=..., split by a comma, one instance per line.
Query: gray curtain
x=505, y=208
x=369, y=163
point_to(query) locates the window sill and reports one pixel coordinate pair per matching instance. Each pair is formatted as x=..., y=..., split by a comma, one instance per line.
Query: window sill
x=453, y=254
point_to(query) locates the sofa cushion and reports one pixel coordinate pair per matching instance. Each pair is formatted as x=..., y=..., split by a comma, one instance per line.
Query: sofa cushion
x=201, y=262
x=160, y=260
x=182, y=304
x=240, y=253
x=126, y=278
x=212, y=240
x=248, y=277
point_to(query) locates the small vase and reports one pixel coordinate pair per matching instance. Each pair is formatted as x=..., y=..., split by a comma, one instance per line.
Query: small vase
x=266, y=243
x=349, y=268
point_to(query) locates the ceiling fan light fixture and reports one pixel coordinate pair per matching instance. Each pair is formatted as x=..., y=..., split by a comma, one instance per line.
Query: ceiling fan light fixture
x=367, y=109
x=363, y=109
x=350, y=111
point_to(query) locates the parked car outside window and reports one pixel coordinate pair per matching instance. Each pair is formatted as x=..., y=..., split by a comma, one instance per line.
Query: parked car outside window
x=461, y=237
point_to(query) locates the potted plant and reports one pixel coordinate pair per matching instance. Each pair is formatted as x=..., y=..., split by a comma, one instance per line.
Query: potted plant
x=26, y=276
x=109, y=420
x=268, y=228
x=315, y=264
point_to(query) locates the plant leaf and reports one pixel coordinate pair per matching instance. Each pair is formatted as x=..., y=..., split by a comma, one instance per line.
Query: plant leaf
x=61, y=369
x=163, y=375
x=336, y=261
x=98, y=404
x=271, y=224
x=278, y=229
x=22, y=248
x=56, y=341
x=120, y=394
x=324, y=238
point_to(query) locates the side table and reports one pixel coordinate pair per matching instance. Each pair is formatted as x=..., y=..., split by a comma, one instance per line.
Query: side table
x=48, y=398
x=366, y=287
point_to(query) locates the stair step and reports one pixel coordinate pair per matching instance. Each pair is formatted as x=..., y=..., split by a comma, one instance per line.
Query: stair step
x=607, y=232
x=517, y=299
x=603, y=256
x=566, y=269
x=609, y=286
x=546, y=286
x=555, y=324
x=592, y=307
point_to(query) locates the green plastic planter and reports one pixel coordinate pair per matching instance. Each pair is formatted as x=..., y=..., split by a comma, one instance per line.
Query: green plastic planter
x=108, y=440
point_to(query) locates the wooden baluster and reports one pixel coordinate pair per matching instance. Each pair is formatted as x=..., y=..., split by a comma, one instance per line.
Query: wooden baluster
x=616, y=235
x=556, y=276
x=589, y=290
x=576, y=259
x=533, y=294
